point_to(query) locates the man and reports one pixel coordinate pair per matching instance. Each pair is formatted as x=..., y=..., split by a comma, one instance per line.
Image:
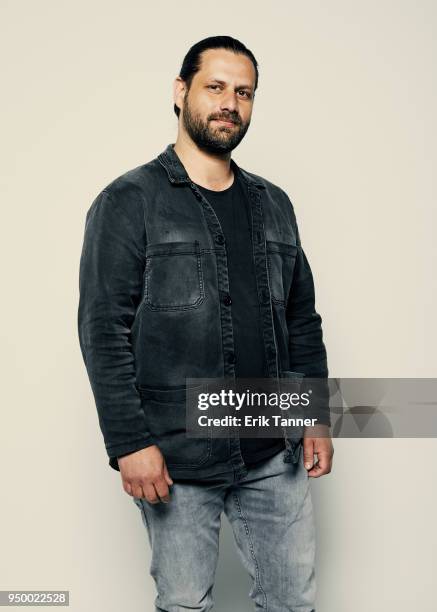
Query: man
x=193, y=268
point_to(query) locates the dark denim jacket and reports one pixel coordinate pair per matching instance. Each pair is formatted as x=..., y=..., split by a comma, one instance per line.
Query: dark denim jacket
x=154, y=309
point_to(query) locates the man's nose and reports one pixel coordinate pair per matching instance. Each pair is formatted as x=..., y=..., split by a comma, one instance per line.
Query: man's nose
x=229, y=102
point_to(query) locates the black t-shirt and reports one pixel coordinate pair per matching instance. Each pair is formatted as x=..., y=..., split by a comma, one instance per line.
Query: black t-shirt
x=233, y=212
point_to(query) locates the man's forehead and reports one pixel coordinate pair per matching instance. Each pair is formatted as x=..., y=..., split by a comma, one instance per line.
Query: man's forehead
x=222, y=64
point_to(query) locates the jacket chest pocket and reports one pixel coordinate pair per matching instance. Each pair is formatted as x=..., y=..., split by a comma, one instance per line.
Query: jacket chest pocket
x=281, y=261
x=173, y=276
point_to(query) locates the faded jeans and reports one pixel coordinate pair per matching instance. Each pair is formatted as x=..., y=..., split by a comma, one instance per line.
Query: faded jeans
x=271, y=515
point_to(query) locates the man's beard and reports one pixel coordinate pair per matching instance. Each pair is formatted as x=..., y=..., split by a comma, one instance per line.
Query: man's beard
x=213, y=138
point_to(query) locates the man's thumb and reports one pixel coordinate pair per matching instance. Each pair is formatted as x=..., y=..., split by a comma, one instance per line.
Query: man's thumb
x=308, y=457
x=167, y=476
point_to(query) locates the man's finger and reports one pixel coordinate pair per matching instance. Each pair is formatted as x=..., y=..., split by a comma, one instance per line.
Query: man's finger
x=136, y=489
x=161, y=487
x=167, y=476
x=308, y=453
x=323, y=465
x=150, y=493
x=127, y=487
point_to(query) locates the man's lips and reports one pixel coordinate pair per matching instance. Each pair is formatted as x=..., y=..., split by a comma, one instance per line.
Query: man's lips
x=225, y=121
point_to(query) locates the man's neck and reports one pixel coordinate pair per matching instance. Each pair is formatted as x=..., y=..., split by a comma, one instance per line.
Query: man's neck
x=207, y=170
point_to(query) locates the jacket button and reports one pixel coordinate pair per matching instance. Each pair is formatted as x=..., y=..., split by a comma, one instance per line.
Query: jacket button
x=197, y=194
x=227, y=300
x=231, y=358
x=219, y=238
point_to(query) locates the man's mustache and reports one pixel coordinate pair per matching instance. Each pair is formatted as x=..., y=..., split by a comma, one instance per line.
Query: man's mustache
x=235, y=120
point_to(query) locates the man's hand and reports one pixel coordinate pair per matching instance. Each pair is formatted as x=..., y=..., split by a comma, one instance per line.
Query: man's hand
x=317, y=441
x=144, y=474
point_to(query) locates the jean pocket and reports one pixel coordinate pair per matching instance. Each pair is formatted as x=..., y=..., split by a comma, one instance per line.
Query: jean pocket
x=140, y=504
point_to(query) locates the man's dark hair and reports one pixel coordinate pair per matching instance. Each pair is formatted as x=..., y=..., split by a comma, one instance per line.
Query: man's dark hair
x=193, y=59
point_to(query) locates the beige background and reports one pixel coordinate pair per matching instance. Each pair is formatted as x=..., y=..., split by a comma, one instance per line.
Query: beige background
x=344, y=120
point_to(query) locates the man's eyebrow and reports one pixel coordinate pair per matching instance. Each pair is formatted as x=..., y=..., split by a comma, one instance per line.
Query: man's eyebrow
x=224, y=83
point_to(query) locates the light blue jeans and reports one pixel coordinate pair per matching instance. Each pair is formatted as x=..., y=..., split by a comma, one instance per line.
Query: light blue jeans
x=271, y=515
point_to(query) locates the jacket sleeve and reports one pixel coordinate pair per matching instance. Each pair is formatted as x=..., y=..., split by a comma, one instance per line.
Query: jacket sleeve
x=306, y=347
x=110, y=287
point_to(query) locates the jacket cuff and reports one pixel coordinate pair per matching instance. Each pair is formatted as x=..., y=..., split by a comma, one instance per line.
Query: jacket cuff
x=323, y=419
x=126, y=448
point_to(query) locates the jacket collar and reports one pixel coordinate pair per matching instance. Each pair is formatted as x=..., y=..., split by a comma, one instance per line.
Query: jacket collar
x=177, y=174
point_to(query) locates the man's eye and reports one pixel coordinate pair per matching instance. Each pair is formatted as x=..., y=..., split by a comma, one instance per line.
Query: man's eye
x=241, y=91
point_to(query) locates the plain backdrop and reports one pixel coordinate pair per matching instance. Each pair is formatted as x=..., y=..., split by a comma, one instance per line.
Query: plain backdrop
x=344, y=120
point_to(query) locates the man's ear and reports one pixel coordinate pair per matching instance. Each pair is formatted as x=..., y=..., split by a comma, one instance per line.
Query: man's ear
x=179, y=89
